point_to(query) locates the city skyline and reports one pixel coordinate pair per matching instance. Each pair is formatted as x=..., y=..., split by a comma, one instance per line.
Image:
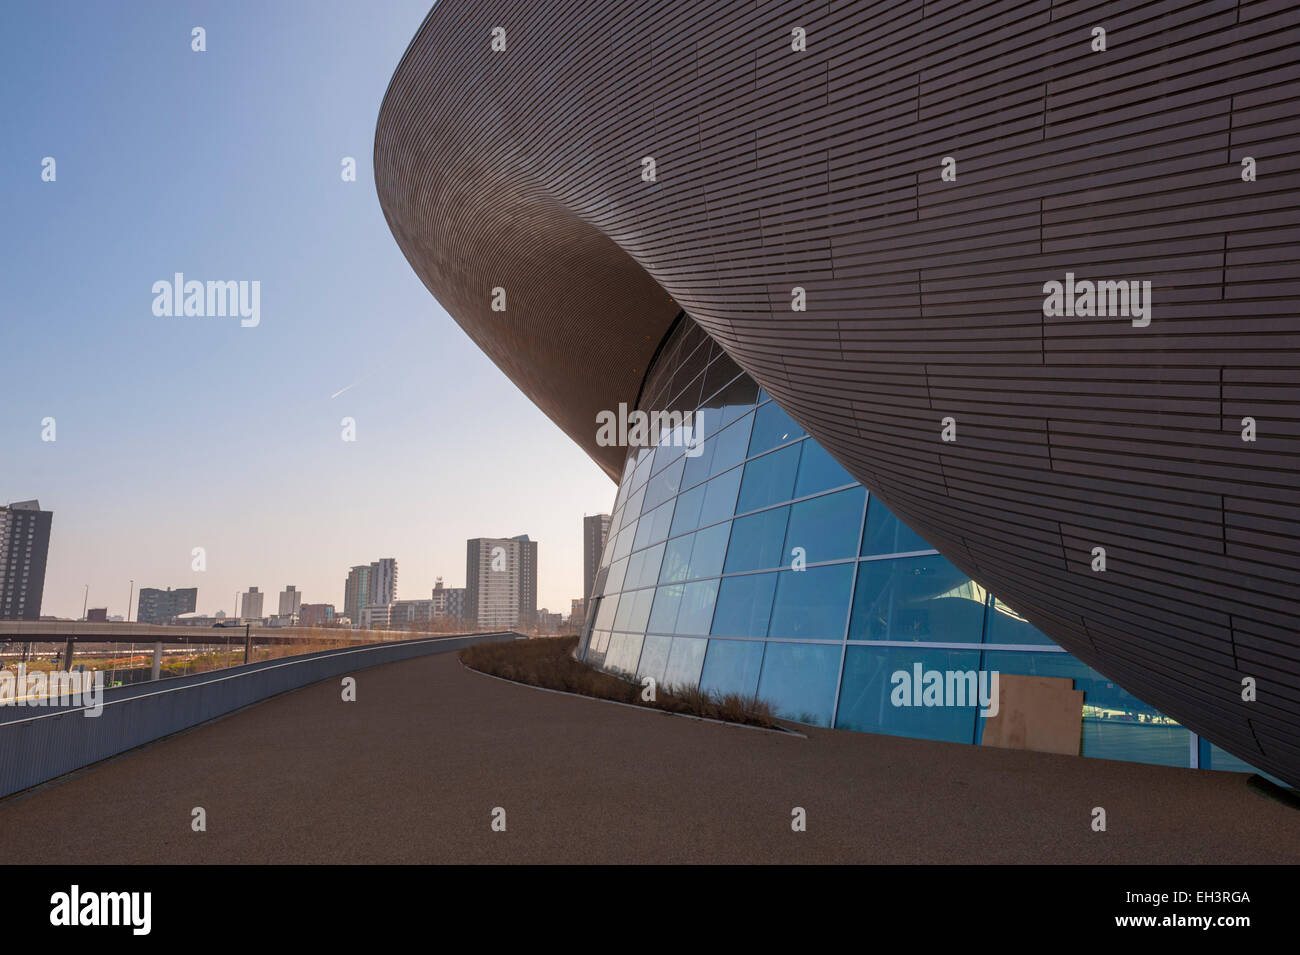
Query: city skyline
x=176, y=433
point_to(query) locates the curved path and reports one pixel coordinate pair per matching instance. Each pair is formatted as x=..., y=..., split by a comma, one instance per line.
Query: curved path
x=410, y=773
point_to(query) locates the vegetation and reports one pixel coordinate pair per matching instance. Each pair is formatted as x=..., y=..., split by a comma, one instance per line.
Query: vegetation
x=548, y=662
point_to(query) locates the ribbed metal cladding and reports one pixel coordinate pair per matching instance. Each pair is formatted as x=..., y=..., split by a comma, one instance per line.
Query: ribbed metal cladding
x=821, y=169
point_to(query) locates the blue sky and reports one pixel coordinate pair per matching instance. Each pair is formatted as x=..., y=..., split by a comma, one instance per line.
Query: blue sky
x=175, y=433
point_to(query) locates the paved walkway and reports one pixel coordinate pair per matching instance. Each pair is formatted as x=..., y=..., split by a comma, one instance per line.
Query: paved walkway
x=412, y=771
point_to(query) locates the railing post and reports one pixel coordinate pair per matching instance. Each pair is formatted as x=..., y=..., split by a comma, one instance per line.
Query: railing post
x=247, y=640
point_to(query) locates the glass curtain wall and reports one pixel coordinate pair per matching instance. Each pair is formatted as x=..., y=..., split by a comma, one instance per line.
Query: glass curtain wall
x=698, y=586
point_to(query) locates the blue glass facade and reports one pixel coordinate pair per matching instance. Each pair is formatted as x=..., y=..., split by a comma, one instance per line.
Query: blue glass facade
x=698, y=583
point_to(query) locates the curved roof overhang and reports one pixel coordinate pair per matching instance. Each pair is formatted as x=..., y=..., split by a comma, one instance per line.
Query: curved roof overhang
x=522, y=170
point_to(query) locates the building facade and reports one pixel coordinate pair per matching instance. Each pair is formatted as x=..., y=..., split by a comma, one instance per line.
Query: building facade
x=376, y=617
x=290, y=601
x=24, y=550
x=1039, y=299
x=373, y=584
x=316, y=615
x=164, y=606
x=501, y=582
x=595, y=530
x=760, y=567
x=251, y=604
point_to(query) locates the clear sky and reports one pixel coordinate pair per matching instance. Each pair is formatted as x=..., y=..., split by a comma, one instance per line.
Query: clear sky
x=176, y=433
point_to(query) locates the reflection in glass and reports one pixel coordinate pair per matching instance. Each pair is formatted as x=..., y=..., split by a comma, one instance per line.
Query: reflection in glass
x=799, y=680
x=886, y=534
x=812, y=604
x=744, y=605
x=924, y=599
x=867, y=694
x=732, y=666
x=768, y=480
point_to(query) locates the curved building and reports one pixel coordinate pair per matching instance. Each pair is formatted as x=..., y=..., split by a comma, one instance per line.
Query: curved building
x=1025, y=270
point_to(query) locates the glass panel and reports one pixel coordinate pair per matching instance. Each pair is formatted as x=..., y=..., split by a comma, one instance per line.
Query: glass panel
x=724, y=450
x=654, y=658
x=879, y=693
x=650, y=559
x=684, y=663
x=731, y=666
x=772, y=426
x=687, y=515
x=616, y=574
x=639, y=614
x=756, y=541
x=720, y=497
x=1007, y=626
x=768, y=480
x=826, y=527
x=633, y=508
x=677, y=559
x=608, y=609
x=730, y=444
x=696, y=612
x=798, y=679
x=818, y=471
x=596, y=652
x=922, y=599
x=653, y=527
x=886, y=534
x=744, y=605
x=626, y=604
x=664, y=484
x=709, y=550
x=812, y=604
x=625, y=538
x=663, y=618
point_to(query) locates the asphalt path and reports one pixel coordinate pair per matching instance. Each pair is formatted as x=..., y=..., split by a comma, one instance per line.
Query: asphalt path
x=414, y=770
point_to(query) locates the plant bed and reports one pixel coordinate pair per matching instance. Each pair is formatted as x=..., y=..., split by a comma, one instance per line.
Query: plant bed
x=548, y=662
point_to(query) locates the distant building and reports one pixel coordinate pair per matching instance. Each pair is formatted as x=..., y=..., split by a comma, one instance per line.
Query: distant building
x=383, y=581
x=501, y=582
x=252, y=604
x=24, y=548
x=577, y=614
x=448, y=601
x=290, y=601
x=316, y=615
x=595, y=530
x=548, y=622
x=356, y=592
x=97, y=615
x=164, y=606
x=376, y=617
x=411, y=614
x=370, y=585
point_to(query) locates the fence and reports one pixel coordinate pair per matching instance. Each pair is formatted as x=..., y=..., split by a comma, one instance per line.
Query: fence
x=37, y=746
